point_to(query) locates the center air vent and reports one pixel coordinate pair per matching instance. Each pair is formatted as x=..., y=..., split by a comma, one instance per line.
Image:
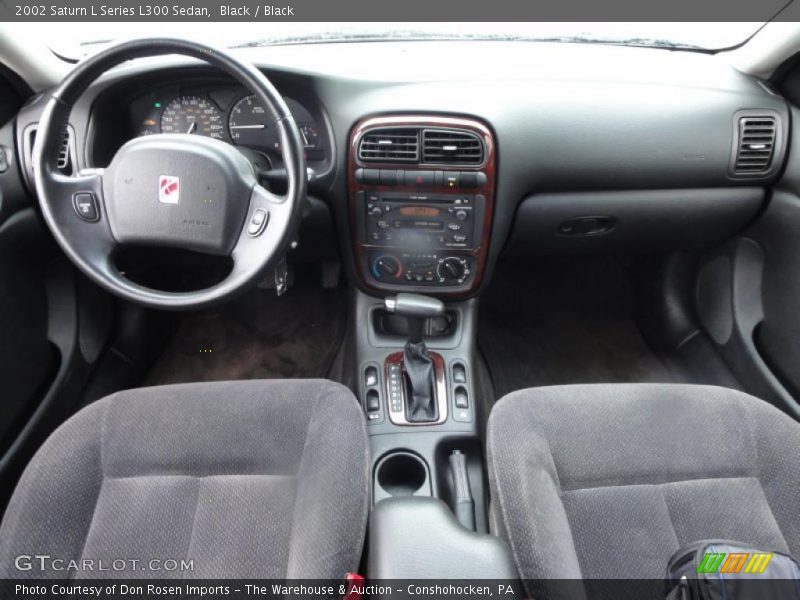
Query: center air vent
x=390, y=145
x=449, y=147
x=756, y=145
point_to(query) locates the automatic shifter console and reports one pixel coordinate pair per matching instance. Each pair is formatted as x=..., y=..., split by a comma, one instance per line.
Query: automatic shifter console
x=415, y=377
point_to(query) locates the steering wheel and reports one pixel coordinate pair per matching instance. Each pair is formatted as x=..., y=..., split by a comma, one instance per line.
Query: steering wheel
x=169, y=190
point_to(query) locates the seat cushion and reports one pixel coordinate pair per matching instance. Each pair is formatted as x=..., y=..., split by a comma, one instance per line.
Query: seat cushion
x=250, y=479
x=607, y=481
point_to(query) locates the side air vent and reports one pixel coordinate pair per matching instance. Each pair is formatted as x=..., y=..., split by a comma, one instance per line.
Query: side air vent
x=64, y=162
x=450, y=147
x=756, y=145
x=66, y=152
x=390, y=145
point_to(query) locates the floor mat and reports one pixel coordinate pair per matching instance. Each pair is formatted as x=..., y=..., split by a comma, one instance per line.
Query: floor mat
x=562, y=321
x=259, y=336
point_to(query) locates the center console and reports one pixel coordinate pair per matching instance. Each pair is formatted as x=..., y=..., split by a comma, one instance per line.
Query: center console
x=421, y=192
x=421, y=196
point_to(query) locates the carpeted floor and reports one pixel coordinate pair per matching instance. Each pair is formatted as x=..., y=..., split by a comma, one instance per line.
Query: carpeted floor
x=259, y=336
x=562, y=321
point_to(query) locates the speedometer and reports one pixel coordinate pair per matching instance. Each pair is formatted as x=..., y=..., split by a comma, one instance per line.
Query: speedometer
x=192, y=114
x=250, y=125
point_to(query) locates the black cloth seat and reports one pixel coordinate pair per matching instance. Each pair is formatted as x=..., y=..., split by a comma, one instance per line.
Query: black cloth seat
x=249, y=479
x=607, y=481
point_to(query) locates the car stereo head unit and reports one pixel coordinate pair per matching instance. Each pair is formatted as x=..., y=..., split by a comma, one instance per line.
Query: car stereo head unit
x=421, y=221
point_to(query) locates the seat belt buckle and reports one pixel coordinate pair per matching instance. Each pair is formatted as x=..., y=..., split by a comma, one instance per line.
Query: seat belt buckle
x=353, y=584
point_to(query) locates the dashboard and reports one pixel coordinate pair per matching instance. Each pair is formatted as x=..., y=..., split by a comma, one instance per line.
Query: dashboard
x=225, y=113
x=581, y=148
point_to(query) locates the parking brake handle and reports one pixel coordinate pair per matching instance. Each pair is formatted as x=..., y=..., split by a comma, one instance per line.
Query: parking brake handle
x=463, y=504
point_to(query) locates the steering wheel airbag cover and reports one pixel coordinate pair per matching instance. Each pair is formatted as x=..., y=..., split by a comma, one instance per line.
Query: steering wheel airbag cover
x=186, y=191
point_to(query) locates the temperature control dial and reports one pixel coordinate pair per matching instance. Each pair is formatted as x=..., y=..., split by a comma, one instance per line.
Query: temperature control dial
x=453, y=268
x=386, y=266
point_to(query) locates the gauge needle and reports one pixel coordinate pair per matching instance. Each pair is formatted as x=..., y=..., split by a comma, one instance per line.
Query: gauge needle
x=192, y=127
x=262, y=126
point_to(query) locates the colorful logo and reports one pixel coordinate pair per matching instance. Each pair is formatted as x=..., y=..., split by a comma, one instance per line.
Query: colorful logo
x=734, y=562
x=169, y=189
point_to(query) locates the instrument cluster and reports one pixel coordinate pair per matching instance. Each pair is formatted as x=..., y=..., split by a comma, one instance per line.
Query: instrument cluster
x=228, y=114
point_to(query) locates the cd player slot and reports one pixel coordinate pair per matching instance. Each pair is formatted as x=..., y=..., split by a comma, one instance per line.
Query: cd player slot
x=414, y=224
x=429, y=199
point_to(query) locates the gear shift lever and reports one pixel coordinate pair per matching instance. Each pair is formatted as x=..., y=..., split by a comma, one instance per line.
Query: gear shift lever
x=421, y=404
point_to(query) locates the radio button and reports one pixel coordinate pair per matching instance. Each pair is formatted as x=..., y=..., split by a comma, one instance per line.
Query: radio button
x=461, y=215
x=454, y=227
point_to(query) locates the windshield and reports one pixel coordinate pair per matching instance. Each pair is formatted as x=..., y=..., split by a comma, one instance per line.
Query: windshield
x=81, y=39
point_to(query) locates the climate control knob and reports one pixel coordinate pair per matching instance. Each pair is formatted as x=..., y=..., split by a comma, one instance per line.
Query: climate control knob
x=453, y=268
x=386, y=266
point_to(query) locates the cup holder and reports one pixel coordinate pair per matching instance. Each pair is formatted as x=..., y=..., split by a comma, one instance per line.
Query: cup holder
x=401, y=474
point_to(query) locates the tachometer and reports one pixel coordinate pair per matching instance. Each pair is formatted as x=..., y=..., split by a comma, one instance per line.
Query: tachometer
x=250, y=124
x=192, y=114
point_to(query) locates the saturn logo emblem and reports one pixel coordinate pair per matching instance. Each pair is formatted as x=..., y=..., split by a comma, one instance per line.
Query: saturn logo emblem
x=169, y=189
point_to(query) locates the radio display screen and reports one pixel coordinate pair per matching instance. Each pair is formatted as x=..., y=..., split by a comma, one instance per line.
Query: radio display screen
x=419, y=211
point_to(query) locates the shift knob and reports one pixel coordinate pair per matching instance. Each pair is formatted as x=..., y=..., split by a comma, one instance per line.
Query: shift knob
x=416, y=309
x=414, y=305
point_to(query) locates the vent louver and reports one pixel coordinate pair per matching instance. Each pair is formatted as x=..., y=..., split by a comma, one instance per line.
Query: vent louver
x=449, y=147
x=756, y=145
x=390, y=145
x=63, y=162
